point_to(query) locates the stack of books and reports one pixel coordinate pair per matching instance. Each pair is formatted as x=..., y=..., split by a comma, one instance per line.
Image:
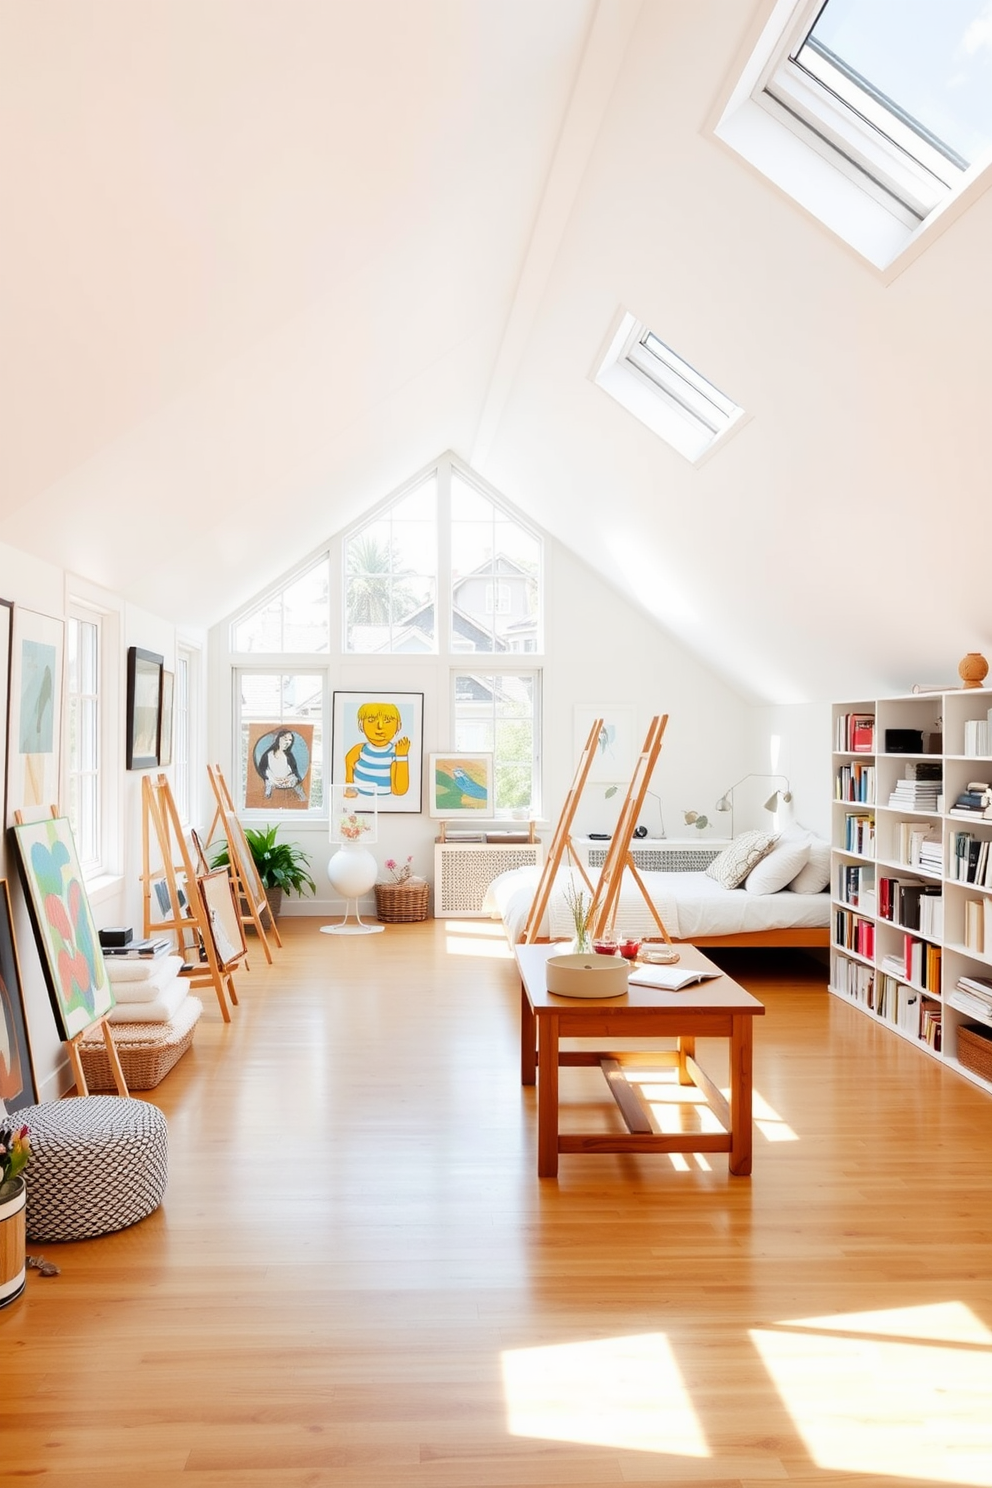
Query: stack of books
x=916, y=795
x=973, y=995
x=978, y=925
x=976, y=801
x=911, y=904
x=156, y=946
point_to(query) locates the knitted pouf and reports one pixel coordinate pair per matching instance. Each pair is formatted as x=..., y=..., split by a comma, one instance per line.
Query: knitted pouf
x=98, y=1163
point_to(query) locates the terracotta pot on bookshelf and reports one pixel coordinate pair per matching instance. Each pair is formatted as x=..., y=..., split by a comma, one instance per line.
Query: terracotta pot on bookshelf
x=973, y=669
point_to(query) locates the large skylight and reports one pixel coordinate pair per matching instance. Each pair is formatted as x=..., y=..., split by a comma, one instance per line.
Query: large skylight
x=653, y=383
x=873, y=114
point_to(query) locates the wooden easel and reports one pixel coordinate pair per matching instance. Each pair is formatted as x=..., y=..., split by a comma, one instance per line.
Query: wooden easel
x=602, y=911
x=561, y=841
x=160, y=819
x=100, y=1025
x=249, y=891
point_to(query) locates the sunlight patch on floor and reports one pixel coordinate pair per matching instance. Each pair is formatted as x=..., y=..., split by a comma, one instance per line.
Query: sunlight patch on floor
x=625, y=1393
x=477, y=945
x=911, y=1409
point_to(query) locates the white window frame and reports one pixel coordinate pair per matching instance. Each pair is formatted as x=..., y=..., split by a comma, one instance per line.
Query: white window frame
x=885, y=194
x=665, y=392
x=277, y=591
x=484, y=666
x=281, y=666
x=186, y=763
x=89, y=604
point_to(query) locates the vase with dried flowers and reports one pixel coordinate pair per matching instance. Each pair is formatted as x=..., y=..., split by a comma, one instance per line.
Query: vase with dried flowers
x=580, y=907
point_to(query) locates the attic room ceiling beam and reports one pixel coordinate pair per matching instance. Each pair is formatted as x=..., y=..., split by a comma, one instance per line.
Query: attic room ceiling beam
x=602, y=59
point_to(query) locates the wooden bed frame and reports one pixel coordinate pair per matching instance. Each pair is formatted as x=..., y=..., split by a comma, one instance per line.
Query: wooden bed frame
x=797, y=938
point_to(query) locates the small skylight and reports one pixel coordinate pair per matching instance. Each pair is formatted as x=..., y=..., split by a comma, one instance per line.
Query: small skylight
x=896, y=98
x=653, y=383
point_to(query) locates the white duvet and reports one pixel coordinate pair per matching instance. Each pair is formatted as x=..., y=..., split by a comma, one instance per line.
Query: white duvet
x=690, y=904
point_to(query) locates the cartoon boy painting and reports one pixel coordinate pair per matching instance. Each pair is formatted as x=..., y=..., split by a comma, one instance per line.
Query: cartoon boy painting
x=380, y=764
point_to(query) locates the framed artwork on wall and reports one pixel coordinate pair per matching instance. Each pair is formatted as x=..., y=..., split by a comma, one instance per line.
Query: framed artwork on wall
x=18, y=1086
x=461, y=785
x=34, y=713
x=68, y=944
x=144, y=703
x=378, y=747
x=617, y=749
x=278, y=774
x=165, y=718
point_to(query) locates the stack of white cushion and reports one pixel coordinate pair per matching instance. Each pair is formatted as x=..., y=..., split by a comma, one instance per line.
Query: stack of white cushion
x=146, y=990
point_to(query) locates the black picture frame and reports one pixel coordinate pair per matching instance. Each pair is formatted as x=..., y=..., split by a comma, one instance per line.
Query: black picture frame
x=18, y=1086
x=144, y=707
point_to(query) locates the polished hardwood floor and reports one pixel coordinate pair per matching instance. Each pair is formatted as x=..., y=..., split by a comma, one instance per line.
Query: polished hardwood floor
x=357, y=1279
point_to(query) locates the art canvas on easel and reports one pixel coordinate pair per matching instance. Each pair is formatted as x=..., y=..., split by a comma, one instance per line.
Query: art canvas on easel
x=67, y=939
x=35, y=713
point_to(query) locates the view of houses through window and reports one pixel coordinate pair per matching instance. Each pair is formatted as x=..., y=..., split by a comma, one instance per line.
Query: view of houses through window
x=442, y=569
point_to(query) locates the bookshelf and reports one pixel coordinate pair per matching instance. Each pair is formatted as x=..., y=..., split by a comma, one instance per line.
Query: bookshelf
x=911, y=871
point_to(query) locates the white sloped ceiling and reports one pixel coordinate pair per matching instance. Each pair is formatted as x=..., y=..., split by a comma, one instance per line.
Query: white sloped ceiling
x=262, y=262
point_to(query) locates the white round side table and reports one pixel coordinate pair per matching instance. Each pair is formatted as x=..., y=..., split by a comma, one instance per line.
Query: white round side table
x=352, y=871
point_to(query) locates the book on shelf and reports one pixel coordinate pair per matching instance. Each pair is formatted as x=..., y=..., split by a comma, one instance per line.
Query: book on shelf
x=978, y=735
x=855, y=733
x=931, y=1024
x=915, y=795
x=966, y=1002
x=974, y=925
x=980, y=986
x=909, y=1007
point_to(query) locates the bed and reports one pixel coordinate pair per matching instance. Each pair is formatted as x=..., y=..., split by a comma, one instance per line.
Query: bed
x=693, y=906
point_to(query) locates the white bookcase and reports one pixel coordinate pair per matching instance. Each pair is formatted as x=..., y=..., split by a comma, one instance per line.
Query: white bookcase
x=871, y=842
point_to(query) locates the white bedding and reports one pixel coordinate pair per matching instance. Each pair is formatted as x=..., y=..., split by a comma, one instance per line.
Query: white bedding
x=690, y=904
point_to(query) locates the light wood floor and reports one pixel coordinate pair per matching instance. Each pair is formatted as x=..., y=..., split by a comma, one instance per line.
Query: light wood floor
x=357, y=1280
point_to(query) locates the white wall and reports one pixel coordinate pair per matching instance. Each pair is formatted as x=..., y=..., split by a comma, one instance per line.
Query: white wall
x=117, y=900
x=600, y=649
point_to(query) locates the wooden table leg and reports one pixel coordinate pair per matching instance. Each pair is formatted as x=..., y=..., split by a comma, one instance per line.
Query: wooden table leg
x=741, y=1140
x=687, y=1050
x=528, y=1040
x=547, y=1097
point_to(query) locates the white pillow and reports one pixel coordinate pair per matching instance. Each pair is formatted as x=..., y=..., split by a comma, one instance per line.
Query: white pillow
x=813, y=879
x=731, y=867
x=779, y=867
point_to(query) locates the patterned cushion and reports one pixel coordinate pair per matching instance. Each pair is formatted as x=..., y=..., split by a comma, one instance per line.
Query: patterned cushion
x=734, y=864
x=98, y=1163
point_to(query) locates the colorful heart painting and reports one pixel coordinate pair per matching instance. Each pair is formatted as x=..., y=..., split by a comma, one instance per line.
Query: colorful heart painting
x=68, y=943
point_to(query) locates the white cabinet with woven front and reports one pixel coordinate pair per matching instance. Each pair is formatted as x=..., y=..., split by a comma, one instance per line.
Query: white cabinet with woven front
x=463, y=872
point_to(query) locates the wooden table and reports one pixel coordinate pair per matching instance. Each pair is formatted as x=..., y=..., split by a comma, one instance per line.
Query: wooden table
x=712, y=1009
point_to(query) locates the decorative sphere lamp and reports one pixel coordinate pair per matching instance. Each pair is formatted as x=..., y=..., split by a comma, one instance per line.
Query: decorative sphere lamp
x=973, y=669
x=352, y=870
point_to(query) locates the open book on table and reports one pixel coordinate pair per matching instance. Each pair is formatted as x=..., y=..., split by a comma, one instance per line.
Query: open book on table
x=669, y=978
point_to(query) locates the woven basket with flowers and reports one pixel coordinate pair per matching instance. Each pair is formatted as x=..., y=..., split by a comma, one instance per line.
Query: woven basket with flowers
x=403, y=899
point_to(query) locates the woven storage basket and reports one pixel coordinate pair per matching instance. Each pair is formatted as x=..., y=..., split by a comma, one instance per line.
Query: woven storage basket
x=401, y=904
x=147, y=1051
x=975, y=1049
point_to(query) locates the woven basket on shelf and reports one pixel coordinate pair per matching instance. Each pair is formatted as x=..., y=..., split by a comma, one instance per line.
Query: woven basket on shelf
x=975, y=1049
x=401, y=904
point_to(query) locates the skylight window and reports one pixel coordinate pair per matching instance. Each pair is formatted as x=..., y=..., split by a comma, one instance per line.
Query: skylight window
x=873, y=115
x=658, y=387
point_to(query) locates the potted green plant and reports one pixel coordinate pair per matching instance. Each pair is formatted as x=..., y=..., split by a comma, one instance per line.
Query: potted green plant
x=283, y=867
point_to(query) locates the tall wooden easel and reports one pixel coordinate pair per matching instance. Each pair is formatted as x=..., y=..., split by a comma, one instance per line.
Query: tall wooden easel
x=99, y=1025
x=602, y=911
x=561, y=841
x=249, y=891
x=160, y=821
